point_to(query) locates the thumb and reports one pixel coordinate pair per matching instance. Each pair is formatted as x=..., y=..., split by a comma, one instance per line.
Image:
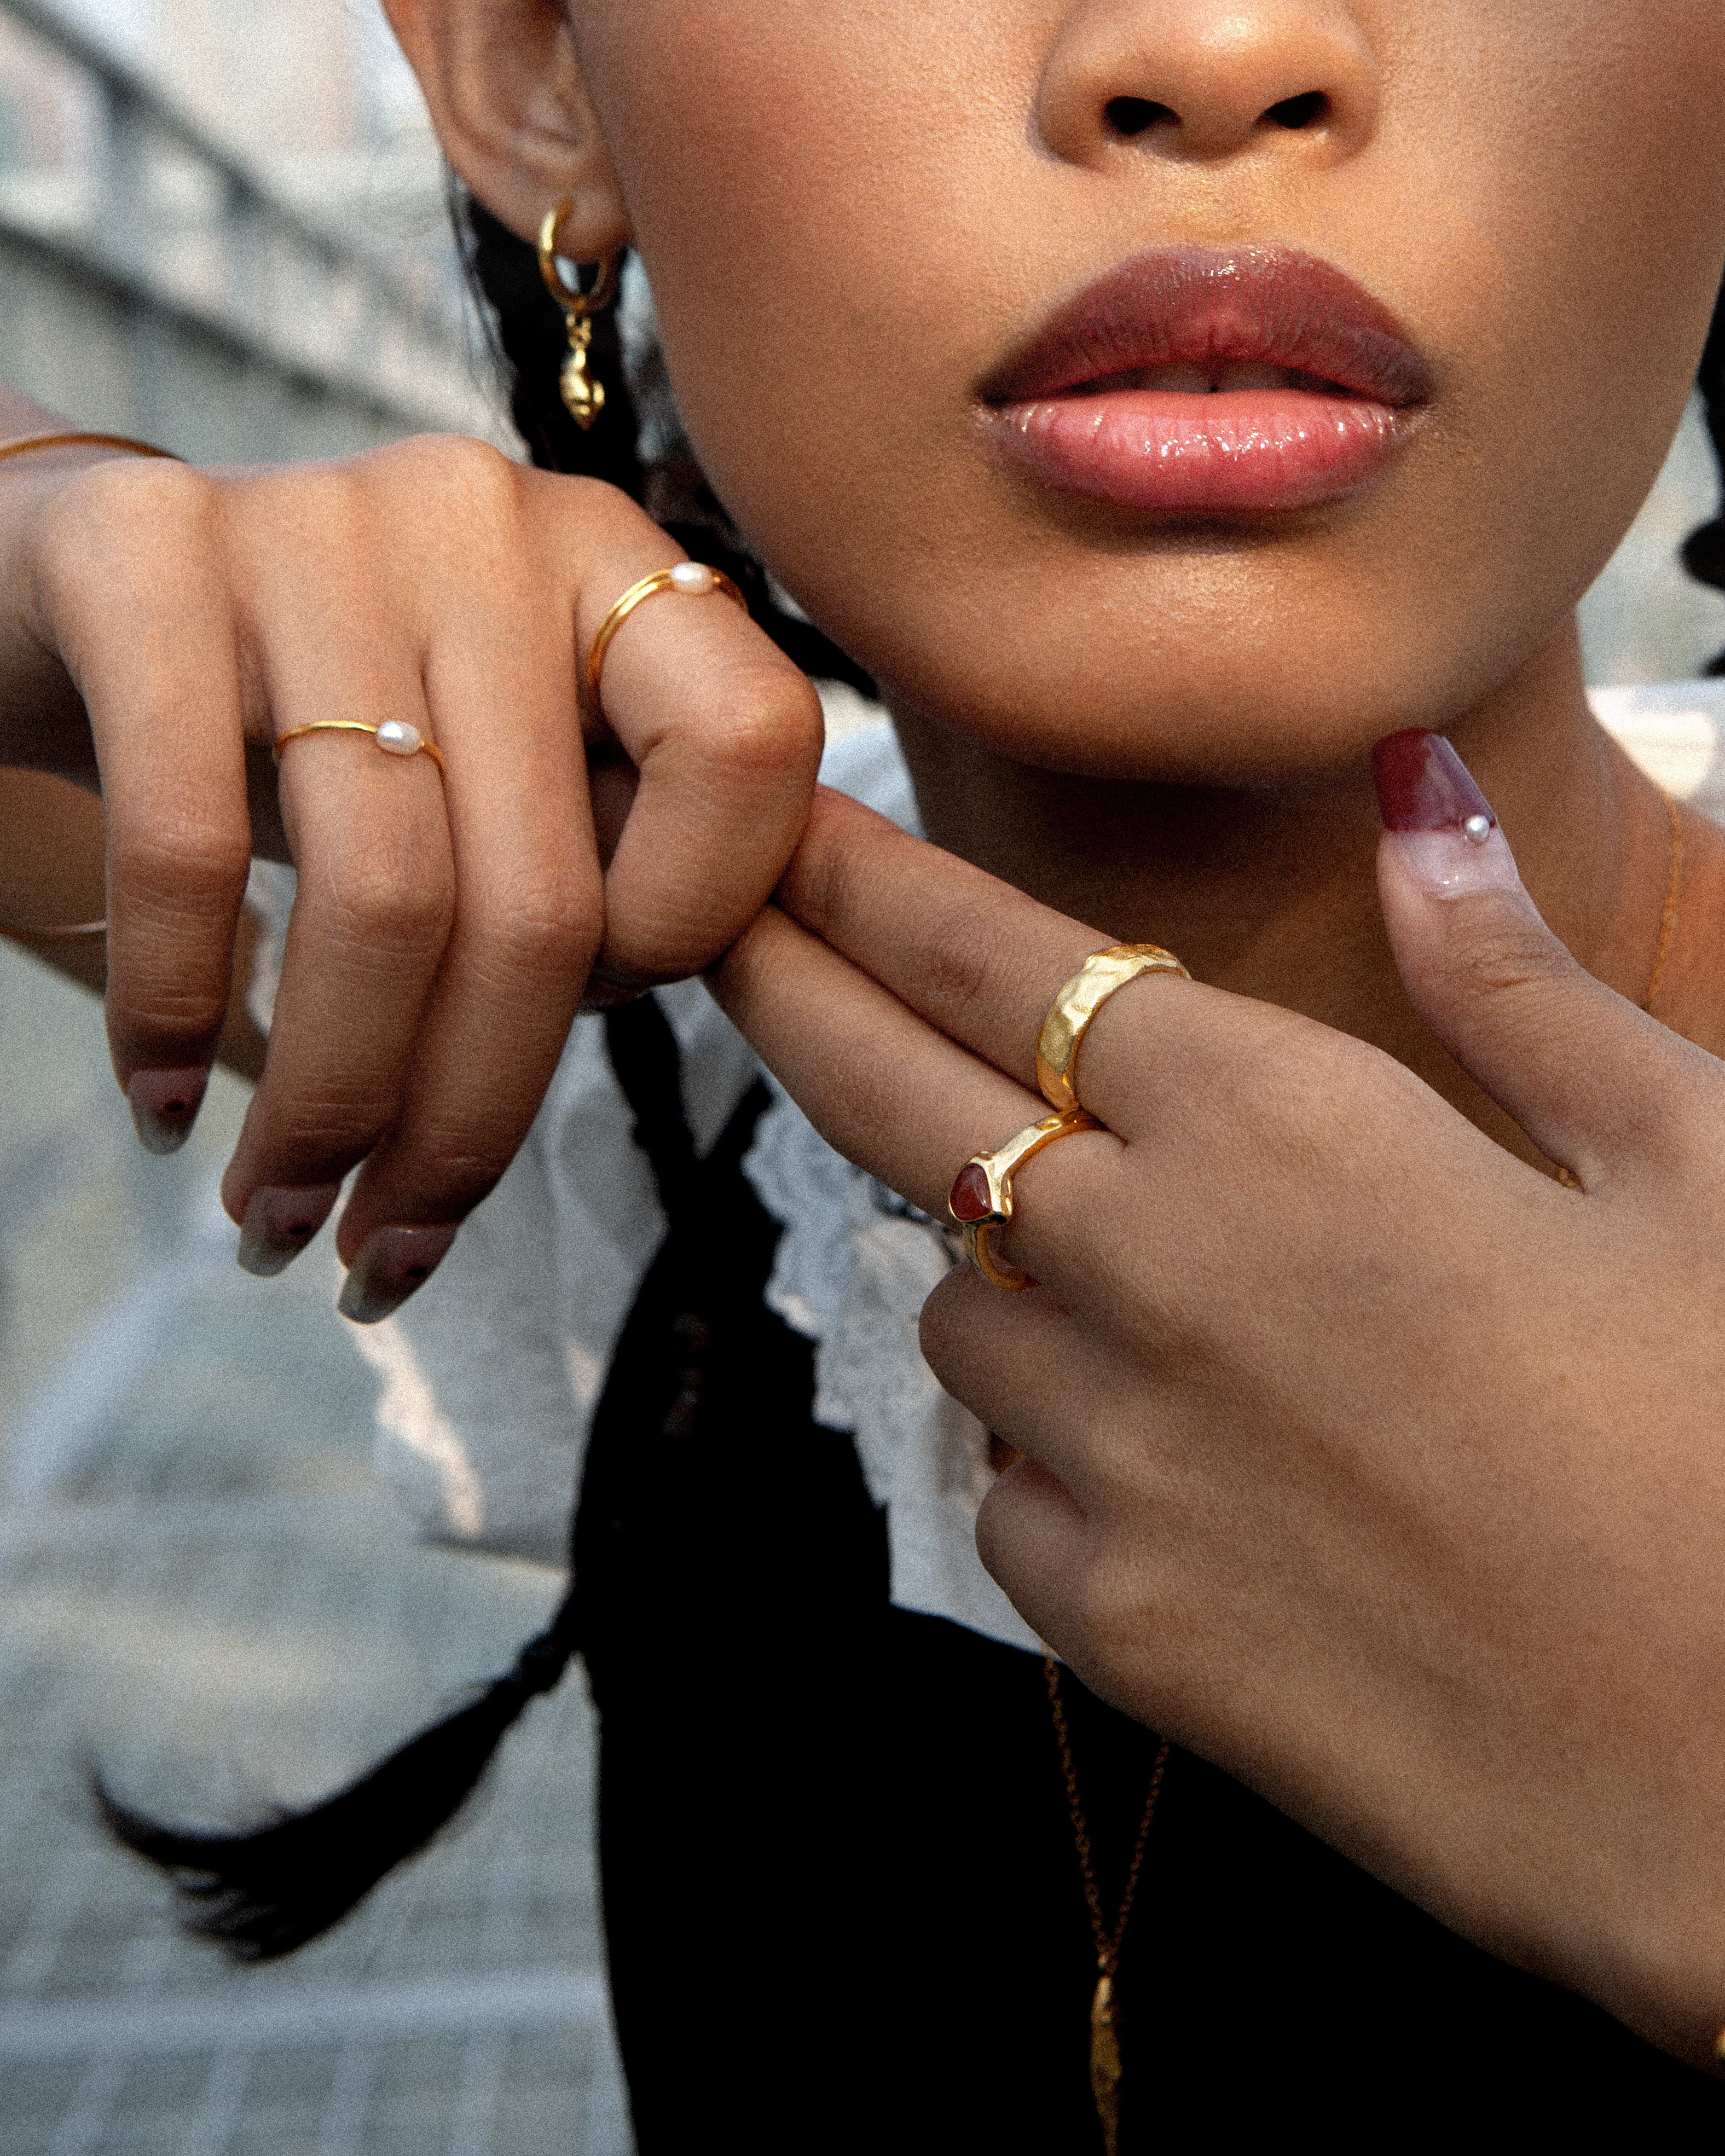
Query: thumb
x=1579, y=1067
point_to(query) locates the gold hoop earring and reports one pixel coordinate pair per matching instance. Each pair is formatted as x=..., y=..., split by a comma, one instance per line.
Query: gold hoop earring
x=584, y=393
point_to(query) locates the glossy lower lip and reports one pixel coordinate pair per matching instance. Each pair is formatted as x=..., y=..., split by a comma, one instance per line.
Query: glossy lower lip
x=1070, y=407
x=1248, y=452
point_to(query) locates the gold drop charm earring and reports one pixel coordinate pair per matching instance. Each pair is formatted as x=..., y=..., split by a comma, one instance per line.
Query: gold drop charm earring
x=584, y=393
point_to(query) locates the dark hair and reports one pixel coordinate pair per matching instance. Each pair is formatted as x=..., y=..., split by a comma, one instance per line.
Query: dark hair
x=1704, y=552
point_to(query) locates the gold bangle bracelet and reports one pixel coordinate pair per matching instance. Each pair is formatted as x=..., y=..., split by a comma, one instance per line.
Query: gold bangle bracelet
x=694, y=579
x=76, y=932
x=27, y=443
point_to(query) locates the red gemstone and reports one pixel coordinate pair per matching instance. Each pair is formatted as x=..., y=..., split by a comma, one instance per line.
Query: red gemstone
x=971, y=1199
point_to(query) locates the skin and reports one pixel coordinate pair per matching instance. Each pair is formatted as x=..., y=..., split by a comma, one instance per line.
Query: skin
x=1458, y=1572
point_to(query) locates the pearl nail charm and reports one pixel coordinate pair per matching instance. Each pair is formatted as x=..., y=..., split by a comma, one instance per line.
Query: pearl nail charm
x=395, y=738
x=694, y=578
x=1477, y=829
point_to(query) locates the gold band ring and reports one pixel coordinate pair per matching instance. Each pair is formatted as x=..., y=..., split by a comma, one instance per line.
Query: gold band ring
x=981, y=1196
x=395, y=737
x=1070, y=1015
x=28, y=444
x=694, y=579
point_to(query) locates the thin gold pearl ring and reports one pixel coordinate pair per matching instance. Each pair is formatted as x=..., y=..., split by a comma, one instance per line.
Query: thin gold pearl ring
x=395, y=737
x=695, y=580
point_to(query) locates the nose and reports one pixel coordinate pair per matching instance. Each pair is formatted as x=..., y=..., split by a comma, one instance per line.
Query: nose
x=1202, y=81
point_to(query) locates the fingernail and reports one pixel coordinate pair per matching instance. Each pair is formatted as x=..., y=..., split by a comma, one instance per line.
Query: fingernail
x=279, y=1224
x=1442, y=825
x=164, y=1106
x=391, y=1264
x=607, y=996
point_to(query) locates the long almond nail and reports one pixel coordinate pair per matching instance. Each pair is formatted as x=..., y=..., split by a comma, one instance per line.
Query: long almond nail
x=392, y=1265
x=164, y=1106
x=1442, y=825
x=278, y=1223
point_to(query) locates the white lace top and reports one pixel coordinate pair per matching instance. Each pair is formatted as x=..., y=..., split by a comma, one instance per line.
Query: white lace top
x=488, y=1378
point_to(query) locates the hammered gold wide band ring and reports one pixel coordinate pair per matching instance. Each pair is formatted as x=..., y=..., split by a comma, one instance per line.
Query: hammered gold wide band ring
x=695, y=580
x=980, y=1199
x=1072, y=1010
x=395, y=737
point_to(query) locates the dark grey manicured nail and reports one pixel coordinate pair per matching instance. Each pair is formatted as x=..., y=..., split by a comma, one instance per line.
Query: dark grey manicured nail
x=391, y=1264
x=279, y=1224
x=164, y=1106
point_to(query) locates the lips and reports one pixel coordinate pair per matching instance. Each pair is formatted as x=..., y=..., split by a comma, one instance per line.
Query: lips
x=1194, y=381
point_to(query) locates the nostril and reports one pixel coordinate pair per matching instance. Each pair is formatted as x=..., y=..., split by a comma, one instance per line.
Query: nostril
x=1294, y=113
x=1128, y=117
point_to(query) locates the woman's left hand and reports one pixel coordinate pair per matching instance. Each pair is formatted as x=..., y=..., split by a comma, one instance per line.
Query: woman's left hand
x=1359, y=1456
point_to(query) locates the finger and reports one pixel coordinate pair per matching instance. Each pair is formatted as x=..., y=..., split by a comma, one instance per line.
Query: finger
x=984, y=963
x=145, y=625
x=1030, y=1372
x=1035, y=1543
x=371, y=916
x=903, y=1101
x=888, y=1091
x=726, y=734
x=1591, y=1079
x=528, y=917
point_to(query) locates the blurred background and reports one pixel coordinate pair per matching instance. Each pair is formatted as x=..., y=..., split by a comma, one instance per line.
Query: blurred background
x=222, y=228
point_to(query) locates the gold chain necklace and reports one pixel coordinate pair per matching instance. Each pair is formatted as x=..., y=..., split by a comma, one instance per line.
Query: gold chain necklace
x=1673, y=896
x=1107, y=2070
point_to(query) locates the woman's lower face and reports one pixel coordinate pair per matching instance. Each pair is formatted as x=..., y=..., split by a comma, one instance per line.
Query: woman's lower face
x=1171, y=388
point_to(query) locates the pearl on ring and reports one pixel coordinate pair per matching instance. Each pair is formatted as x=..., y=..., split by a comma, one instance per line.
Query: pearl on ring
x=1477, y=829
x=395, y=738
x=694, y=578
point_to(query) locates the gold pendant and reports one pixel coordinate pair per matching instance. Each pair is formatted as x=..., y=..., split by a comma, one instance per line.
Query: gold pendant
x=583, y=397
x=1104, y=2065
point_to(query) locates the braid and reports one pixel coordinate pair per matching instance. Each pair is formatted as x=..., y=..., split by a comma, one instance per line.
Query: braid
x=1704, y=552
x=525, y=327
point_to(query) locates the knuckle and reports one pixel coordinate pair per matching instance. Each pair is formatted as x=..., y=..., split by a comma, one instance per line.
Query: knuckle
x=178, y=864
x=108, y=524
x=765, y=720
x=453, y=461
x=603, y=517
x=385, y=894
x=1502, y=957
x=452, y=1164
x=940, y=1327
x=967, y=959
x=327, y=1129
x=545, y=929
x=475, y=489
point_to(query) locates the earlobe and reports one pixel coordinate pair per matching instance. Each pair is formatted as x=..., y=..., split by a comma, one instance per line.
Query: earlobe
x=504, y=86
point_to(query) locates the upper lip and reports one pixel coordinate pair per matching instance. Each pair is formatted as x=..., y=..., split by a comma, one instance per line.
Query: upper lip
x=1179, y=305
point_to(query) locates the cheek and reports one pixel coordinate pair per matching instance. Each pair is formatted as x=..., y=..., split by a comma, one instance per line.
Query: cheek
x=847, y=223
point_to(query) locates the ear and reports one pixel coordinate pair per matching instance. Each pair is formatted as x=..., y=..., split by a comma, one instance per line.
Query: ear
x=510, y=108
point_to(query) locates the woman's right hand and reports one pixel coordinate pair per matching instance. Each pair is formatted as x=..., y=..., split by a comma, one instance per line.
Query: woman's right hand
x=167, y=625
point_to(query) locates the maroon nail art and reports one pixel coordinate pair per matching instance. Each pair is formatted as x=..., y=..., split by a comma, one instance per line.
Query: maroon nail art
x=1423, y=786
x=280, y=1222
x=164, y=1106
